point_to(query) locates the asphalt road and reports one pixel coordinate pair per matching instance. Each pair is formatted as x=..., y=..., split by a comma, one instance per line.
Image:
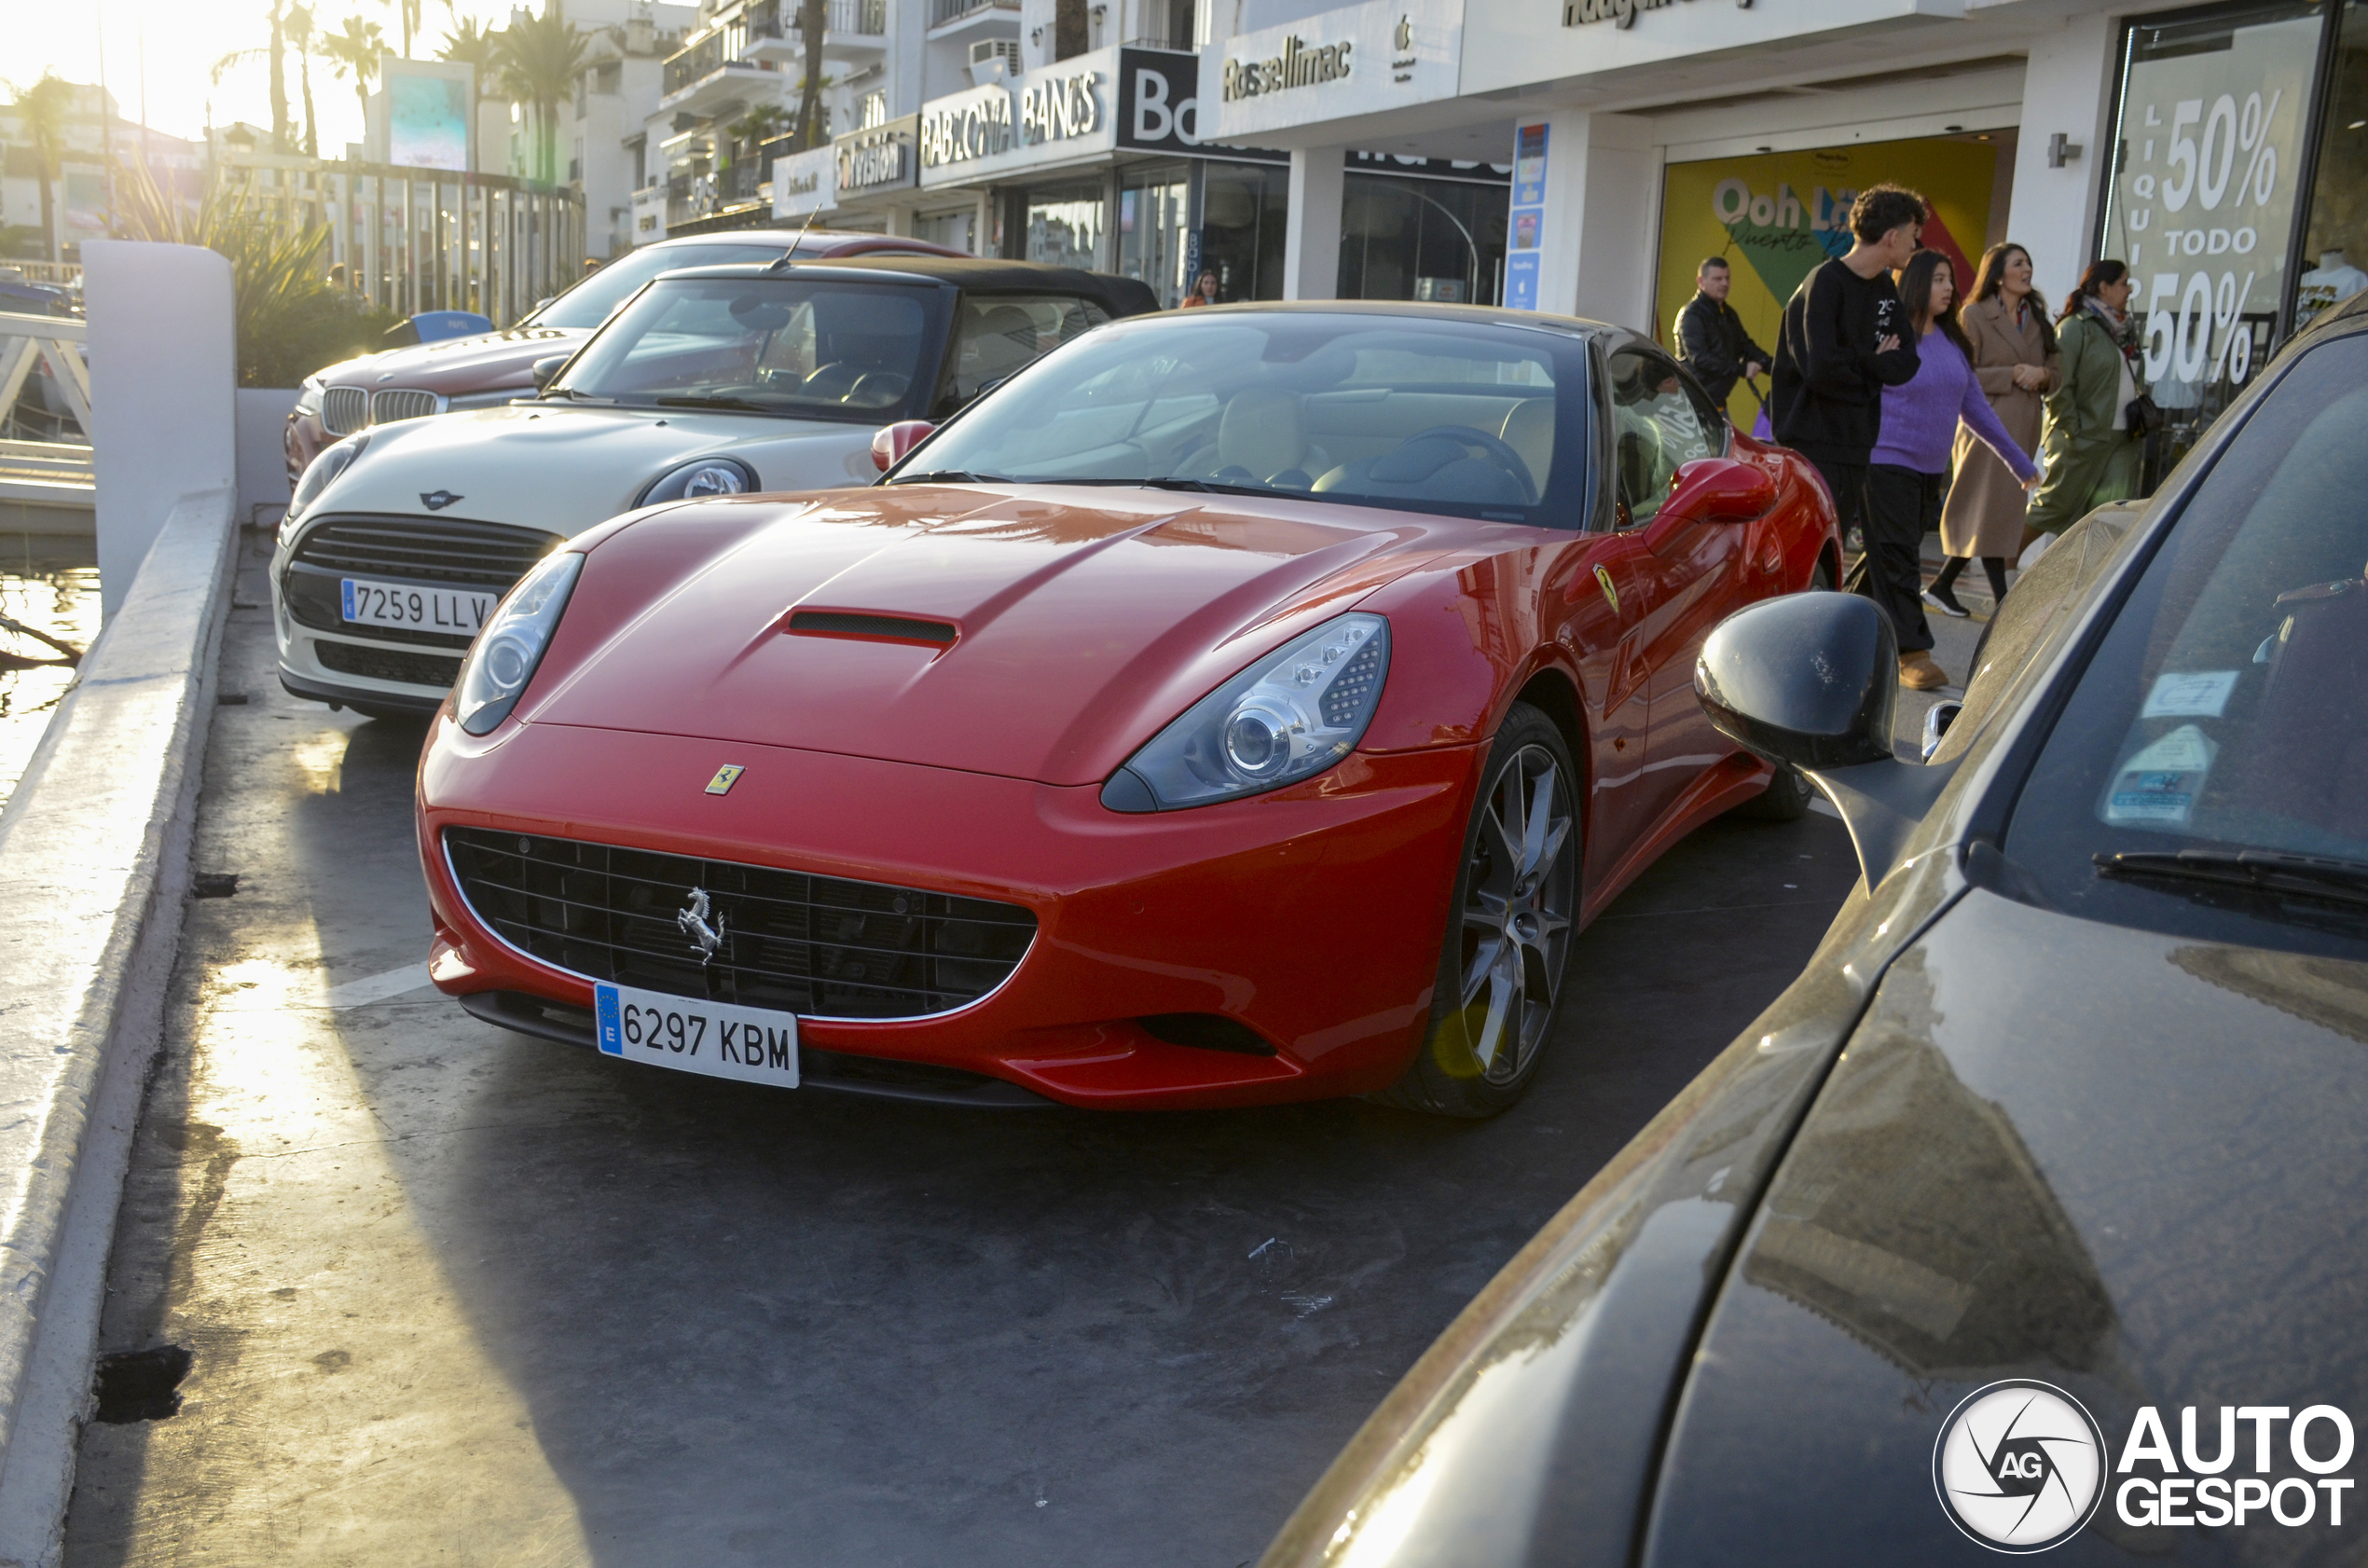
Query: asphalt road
x=458, y=1295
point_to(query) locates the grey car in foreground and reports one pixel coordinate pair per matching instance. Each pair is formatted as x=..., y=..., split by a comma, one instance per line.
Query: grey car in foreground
x=2032, y=1216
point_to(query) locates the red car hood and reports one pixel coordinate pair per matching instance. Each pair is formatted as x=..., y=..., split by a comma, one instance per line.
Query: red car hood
x=457, y=366
x=1085, y=620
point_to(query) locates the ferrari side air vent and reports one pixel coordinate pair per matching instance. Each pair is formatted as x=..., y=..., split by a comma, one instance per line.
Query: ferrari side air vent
x=875, y=628
x=1206, y=1031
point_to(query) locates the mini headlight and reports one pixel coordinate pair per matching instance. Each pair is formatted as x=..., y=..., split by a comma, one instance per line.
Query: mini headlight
x=330, y=462
x=1288, y=717
x=506, y=653
x=706, y=477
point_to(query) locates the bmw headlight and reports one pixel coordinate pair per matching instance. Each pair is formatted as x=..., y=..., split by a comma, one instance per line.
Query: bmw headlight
x=504, y=657
x=332, y=460
x=694, y=481
x=1288, y=717
x=307, y=401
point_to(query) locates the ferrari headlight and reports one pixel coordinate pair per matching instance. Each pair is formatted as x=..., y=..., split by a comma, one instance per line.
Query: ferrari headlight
x=330, y=461
x=695, y=480
x=504, y=657
x=1288, y=717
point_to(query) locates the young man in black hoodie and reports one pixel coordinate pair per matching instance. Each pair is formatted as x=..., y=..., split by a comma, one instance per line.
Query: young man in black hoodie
x=1845, y=337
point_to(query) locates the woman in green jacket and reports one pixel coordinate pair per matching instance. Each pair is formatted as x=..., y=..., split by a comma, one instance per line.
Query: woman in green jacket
x=2090, y=451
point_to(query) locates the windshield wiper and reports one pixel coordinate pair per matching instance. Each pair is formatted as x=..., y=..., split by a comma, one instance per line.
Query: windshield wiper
x=951, y=476
x=742, y=403
x=2254, y=871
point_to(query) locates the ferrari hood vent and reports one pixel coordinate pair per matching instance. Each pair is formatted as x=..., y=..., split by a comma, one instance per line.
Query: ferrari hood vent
x=872, y=628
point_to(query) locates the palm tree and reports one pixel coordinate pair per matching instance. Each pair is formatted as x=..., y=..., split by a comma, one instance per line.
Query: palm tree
x=809, y=105
x=539, y=56
x=42, y=110
x=409, y=11
x=472, y=43
x=279, y=78
x=300, y=34
x=354, y=50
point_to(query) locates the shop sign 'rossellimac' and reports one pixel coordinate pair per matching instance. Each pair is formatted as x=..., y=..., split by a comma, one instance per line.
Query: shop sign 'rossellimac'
x=1621, y=13
x=1300, y=64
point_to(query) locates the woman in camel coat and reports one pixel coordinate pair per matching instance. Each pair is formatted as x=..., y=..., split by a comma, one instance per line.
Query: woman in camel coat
x=2015, y=360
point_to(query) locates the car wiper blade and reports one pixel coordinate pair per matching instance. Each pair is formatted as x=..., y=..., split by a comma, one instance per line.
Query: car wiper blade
x=951, y=476
x=2266, y=870
x=740, y=403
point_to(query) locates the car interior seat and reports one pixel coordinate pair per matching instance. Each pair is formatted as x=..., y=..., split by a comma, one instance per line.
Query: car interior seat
x=1261, y=439
x=1529, y=430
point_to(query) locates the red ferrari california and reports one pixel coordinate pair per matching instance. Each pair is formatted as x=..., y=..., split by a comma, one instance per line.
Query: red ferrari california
x=1237, y=705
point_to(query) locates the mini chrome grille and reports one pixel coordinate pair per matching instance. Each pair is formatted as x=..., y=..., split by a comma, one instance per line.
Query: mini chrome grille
x=417, y=550
x=397, y=403
x=817, y=945
x=344, y=410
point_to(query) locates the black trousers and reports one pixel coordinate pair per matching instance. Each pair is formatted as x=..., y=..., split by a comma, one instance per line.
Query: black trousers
x=1847, y=481
x=1902, y=506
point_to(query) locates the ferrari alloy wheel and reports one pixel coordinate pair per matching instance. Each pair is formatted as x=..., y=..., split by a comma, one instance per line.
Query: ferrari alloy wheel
x=1508, y=938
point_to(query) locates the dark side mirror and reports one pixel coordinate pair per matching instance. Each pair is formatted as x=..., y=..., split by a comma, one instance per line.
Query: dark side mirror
x=1810, y=678
x=1812, y=681
x=546, y=367
x=1719, y=490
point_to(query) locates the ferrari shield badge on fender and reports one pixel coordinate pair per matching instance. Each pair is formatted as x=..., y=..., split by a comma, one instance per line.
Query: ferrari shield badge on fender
x=1611, y=595
x=725, y=777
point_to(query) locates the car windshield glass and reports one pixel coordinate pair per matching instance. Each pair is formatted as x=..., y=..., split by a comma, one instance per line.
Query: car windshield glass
x=795, y=345
x=2215, y=751
x=1438, y=415
x=592, y=301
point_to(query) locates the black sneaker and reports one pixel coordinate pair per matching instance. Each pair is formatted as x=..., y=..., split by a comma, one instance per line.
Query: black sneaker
x=1946, y=603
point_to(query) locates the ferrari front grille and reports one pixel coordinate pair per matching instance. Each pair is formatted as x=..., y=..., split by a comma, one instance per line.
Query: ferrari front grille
x=387, y=664
x=818, y=946
x=344, y=410
x=397, y=403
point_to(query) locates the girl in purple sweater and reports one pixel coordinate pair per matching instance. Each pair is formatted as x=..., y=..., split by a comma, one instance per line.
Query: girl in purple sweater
x=1907, y=473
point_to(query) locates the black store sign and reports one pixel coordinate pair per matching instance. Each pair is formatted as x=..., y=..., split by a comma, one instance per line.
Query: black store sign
x=1159, y=110
x=883, y=157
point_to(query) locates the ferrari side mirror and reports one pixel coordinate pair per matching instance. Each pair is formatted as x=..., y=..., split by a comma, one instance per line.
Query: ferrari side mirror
x=1719, y=490
x=1812, y=681
x=545, y=369
x=892, y=442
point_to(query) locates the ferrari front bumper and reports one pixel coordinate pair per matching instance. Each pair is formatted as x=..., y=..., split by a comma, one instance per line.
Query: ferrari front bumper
x=1312, y=918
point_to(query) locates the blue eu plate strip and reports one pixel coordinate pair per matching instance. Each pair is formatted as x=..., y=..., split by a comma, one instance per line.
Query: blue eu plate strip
x=346, y=588
x=609, y=1026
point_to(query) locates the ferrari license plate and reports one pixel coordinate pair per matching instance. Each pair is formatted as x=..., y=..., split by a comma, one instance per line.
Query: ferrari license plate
x=751, y=1044
x=458, y=610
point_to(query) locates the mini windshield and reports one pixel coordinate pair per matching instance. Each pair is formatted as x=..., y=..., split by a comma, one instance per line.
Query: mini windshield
x=2224, y=723
x=797, y=345
x=1438, y=415
x=596, y=298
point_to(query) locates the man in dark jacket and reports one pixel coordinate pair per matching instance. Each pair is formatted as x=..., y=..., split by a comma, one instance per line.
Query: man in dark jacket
x=1711, y=339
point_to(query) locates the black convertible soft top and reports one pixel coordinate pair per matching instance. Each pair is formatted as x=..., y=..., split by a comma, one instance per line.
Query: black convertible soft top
x=1119, y=296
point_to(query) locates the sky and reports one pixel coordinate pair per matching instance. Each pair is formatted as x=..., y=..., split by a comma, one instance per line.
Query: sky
x=181, y=40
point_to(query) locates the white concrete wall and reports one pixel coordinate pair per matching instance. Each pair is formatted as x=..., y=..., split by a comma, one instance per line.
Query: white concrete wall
x=263, y=462
x=163, y=368
x=1599, y=236
x=1311, y=244
x=2068, y=87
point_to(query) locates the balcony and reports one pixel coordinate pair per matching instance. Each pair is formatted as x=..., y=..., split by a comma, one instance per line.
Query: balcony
x=954, y=14
x=849, y=27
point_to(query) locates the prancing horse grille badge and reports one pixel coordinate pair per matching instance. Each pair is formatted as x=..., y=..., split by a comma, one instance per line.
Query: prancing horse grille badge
x=725, y=777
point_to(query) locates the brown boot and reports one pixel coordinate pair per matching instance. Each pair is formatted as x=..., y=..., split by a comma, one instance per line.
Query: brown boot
x=1918, y=673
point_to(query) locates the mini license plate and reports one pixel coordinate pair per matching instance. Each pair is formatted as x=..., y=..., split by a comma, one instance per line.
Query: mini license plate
x=458, y=610
x=752, y=1044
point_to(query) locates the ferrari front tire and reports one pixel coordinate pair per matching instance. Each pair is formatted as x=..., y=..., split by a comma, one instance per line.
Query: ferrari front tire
x=1510, y=920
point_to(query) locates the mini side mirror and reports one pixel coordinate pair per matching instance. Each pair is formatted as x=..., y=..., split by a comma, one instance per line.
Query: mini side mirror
x=892, y=442
x=545, y=369
x=1810, y=678
x=1719, y=490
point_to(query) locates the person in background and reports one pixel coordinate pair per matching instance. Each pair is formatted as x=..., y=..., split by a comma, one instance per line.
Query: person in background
x=1204, y=292
x=2090, y=450
x=2015, y=356
x=591, y=265
x=1907, y=471
x=1711, y=339
x=1842, y=343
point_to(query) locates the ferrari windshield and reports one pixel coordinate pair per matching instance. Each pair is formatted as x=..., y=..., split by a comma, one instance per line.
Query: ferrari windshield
x=1434, y=414
x=589, y=303
x=800, y=345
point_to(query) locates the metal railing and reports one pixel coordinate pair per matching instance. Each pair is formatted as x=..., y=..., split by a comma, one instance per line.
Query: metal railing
x=59, y=274
x=944, y=11
x=861, y=18
x=55, y=472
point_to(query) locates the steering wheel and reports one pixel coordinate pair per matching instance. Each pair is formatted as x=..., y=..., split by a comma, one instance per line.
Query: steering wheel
x=1507, y=459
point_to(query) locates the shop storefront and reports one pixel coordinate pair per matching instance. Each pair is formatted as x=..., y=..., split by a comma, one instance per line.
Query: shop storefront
x=865, y=181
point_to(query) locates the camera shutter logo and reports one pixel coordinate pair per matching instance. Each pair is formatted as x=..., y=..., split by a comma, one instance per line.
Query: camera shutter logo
x=2019, y=1465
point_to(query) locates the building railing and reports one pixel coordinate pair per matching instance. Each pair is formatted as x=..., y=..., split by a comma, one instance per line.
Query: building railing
x=60, y=274
x=47, y=470
x=944, y=11
x=861, y=18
